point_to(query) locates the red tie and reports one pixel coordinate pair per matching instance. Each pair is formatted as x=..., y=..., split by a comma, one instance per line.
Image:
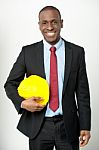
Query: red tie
x=54, y=100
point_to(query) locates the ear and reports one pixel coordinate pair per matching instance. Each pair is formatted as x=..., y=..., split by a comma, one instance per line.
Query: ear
x=62, y=23
x=39, y=24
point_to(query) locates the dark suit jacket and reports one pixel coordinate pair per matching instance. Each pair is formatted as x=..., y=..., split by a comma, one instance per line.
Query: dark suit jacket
x=76, y=113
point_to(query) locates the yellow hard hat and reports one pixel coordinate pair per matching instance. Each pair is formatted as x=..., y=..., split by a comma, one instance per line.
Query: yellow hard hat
x=34, y=86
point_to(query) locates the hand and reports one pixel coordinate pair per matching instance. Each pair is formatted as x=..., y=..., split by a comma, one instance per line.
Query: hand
x=31, y=104
x=84, y=137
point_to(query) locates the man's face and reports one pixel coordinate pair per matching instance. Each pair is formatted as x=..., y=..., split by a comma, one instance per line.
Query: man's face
x=50, y=25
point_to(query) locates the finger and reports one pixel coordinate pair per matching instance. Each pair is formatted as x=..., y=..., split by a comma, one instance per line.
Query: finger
x=37, y=109
x=83, y=141
x=37, y=98
x=34, y=109
x=38, y=106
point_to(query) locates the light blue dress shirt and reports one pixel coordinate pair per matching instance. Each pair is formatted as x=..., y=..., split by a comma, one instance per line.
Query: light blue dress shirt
x=60, y=53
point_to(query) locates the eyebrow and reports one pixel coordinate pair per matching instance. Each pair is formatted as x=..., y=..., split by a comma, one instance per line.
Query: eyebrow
x=49, y=20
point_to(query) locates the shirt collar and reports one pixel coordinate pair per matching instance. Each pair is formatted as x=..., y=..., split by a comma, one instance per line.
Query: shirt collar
x=57, y=45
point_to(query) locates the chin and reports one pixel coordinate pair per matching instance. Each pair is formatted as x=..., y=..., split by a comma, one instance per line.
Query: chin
x=52, y=42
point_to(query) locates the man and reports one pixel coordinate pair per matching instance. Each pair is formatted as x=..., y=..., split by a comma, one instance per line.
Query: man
x=70, y=119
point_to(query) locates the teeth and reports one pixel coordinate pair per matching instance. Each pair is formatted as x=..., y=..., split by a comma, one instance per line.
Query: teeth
x=50, y=34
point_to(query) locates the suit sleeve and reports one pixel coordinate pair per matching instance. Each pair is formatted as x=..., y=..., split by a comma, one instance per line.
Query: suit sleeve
x=83, y=95
x=16, y=75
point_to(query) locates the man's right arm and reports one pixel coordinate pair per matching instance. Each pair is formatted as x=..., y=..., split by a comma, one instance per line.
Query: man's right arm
x=16, y=75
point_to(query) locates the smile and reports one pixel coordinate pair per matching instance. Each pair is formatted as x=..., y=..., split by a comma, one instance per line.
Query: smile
x=50, y=34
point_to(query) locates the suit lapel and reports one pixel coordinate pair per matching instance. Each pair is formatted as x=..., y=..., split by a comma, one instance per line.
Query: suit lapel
x=68, y=60
x=40, y=60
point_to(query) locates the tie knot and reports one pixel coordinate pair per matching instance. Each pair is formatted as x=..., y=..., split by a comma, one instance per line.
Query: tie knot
x=53, y=49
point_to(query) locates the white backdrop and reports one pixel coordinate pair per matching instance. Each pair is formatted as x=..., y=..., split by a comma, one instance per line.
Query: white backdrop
x=19, y=27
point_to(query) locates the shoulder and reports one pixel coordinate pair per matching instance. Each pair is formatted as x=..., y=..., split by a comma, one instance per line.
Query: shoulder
x=34, y=45
x=32, y=49
x=73, y=46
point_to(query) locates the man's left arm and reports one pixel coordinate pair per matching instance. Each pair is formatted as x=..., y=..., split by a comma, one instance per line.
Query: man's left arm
x=83, y=101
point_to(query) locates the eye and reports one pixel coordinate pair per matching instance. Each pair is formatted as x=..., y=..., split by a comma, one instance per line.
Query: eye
x=44, y=23
x=54, y=22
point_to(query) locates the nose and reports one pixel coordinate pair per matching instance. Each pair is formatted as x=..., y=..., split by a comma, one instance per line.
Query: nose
x=50, y=26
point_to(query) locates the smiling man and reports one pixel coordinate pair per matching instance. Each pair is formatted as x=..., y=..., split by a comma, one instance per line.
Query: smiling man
x=50, y=24
x=64, y=122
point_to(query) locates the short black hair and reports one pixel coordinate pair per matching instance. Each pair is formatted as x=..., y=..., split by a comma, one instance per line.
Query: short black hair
x=50, y=8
